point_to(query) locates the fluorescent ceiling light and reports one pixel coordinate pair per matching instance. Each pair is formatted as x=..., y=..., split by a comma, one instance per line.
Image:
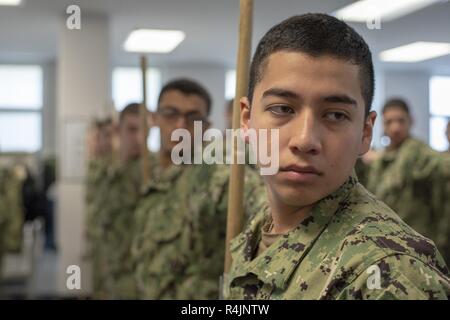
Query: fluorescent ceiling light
x=10, y=2
x=151, y=40
x=416, y=51
x=385, y=10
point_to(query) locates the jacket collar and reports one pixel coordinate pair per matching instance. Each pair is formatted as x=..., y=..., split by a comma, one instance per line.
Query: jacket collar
x=277, y=264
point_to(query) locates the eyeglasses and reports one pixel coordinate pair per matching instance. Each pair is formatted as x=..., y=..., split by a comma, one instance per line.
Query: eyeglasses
x=173, y=114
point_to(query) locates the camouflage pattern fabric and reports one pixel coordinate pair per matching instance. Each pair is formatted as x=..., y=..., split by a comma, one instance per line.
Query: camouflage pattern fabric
x=413, y=181
x=11, y=210
x=180, y=237
x=117, y=189
x=352, y=246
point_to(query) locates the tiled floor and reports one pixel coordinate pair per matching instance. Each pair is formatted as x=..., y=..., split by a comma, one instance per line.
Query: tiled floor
x=21, y=281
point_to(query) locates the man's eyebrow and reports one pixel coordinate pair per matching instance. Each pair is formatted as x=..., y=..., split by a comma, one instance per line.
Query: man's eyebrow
x=174, y=108
x=282, y=93
x=168, y=107
x=340, y=98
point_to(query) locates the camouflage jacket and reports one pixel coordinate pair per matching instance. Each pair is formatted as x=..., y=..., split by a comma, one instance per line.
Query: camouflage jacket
x=110, y=221
x=180, y=237
x=3, y=218
x=96, y=188
x=96, y=171
x=412, y=181
x=444, y=228
x=11, y=210
x=361, y=171
x=352, y=246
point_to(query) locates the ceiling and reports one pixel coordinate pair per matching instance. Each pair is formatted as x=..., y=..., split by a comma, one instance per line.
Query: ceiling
x=30, y=33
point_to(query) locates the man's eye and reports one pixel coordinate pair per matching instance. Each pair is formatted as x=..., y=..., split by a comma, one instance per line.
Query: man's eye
x=171, y=114
x=168, y=112
x=336, y=116
x=281, y=110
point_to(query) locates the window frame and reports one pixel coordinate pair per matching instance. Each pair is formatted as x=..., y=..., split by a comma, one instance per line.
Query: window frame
x=9, y=110
x=435, y=116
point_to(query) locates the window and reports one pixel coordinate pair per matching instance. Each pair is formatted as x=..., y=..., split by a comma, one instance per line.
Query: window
x=20, y=108
x=230, y=84
x=127, y=88
x=439, y=111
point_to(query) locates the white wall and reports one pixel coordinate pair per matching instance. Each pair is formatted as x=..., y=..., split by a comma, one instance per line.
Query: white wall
x=49, y=109
x=414, y=88
x=377, y=104
x=83, y=92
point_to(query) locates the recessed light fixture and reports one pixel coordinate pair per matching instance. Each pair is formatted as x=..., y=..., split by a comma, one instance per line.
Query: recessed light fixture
x=416, y=51
x=386, y=10
x=152, y=40
x=10, y=2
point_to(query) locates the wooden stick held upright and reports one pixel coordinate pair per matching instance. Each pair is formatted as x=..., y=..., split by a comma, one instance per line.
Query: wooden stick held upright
x=236, y=186
x=115, y=137
x=144, y=124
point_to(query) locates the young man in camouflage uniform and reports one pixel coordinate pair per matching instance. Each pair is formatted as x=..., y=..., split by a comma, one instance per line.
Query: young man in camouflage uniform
x=322, y=235
x=410, y=177
x=111, y=217
x=179, y=244
x=11, y=211
x=99, y=145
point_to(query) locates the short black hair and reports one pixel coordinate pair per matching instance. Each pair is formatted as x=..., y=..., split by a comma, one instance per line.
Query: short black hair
x=396, y=103
x=101, y=124
x=316, y=34
x=187, y=87
x=130, y=109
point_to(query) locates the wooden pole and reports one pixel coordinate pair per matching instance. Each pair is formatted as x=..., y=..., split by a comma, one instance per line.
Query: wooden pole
x=144, y=123
x=236, y=186
x=115, y=137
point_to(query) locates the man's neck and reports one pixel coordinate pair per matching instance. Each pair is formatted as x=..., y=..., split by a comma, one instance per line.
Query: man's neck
x=397, y=146
x=165, y=159
x=286, y=217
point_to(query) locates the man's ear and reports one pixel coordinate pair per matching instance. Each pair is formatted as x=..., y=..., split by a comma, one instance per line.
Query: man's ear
x=369, y=122
x=245, y=117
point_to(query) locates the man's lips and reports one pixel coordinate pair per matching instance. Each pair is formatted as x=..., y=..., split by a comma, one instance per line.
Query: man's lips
x=301, y=169
x=299, y=173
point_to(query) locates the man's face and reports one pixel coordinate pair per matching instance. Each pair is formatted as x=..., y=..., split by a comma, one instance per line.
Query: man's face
x=178, y=111
x=397, y=124
x=317, y=105
x=105, y=140
x=130, y=137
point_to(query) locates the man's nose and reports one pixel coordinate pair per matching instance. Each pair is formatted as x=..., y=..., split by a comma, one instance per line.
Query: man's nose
x=181, y=122
x=306, y=137
x=396, y=127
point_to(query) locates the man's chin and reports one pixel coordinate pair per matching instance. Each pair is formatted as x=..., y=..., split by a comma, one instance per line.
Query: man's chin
x=299, y=197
